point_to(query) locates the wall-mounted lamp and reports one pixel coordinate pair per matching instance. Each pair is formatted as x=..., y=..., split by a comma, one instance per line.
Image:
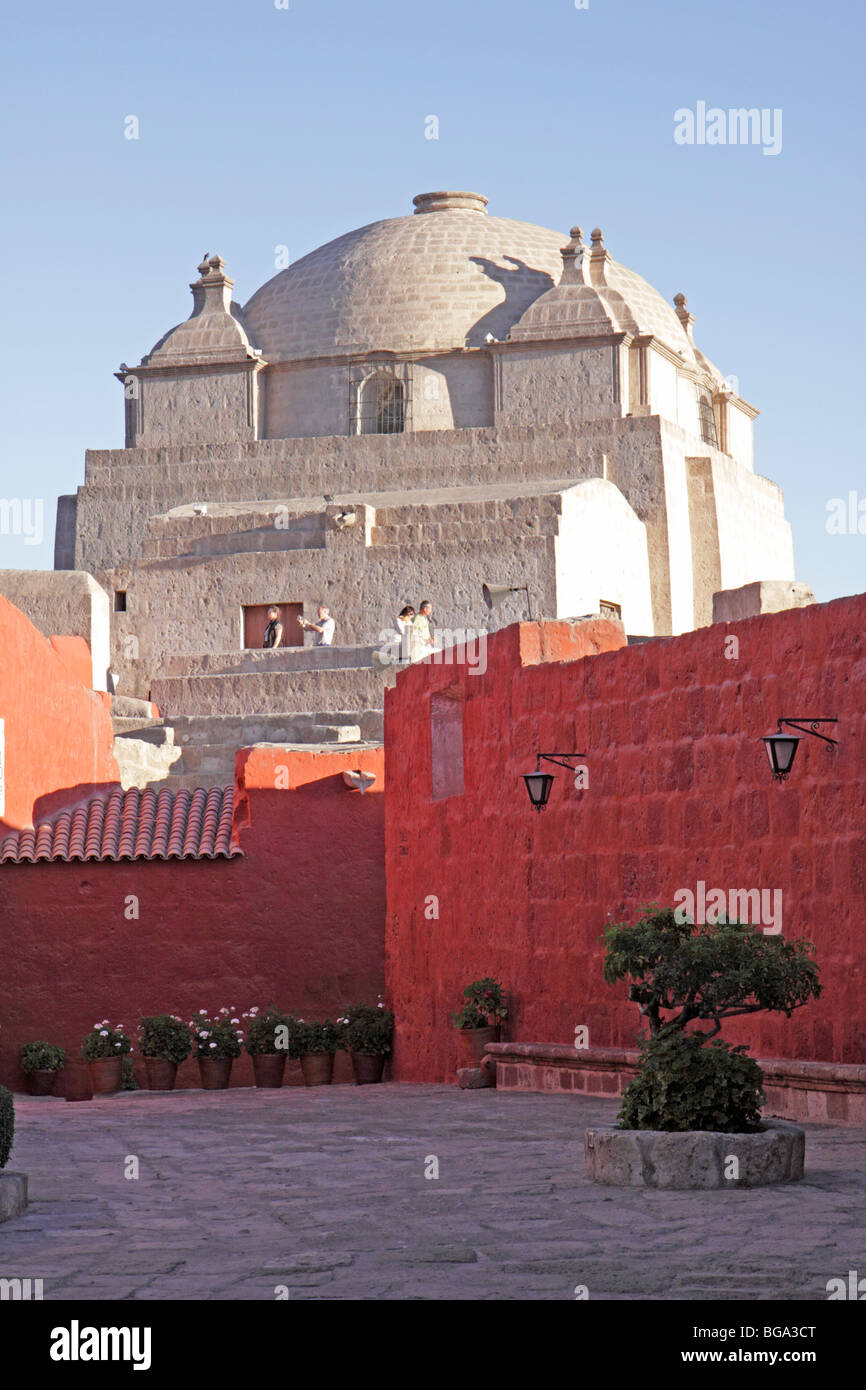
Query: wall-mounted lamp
x=494, y=594
x=538, y=783
x=782, y=748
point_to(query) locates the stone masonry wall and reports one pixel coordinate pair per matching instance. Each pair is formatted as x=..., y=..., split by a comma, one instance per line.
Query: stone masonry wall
x=680, y=790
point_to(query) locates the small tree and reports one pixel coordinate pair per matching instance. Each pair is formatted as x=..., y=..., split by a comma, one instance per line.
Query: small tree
x=681, y=974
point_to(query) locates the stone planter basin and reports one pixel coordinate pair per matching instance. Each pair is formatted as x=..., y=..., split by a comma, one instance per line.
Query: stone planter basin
x=695, y=1159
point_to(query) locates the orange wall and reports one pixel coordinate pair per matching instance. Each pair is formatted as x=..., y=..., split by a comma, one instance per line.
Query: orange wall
x=58, y=734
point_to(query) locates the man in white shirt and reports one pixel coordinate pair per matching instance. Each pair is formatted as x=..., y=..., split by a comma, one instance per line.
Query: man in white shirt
x=324, y=628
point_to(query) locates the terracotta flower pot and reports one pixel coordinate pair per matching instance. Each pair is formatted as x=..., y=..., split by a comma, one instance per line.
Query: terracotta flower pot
x=42, y=1081
x=215, y=1072
x=473, y=1041
x=318, y=1068
x=268, y=1068
x=74, y=1082
x=105, y=1075
x=367, y=1067
x=161, y=1075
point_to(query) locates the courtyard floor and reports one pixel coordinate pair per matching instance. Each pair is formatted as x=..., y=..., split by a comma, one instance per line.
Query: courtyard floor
x=323, y=1191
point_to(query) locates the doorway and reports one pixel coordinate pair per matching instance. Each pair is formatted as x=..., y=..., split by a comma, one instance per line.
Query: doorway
x=255, y=620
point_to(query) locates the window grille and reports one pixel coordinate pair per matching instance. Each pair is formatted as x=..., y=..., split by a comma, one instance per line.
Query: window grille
x=380, y=404
x=707, y=418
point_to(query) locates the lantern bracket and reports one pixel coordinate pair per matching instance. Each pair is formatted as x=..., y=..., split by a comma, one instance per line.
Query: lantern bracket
x=800, y=720
x=558, y=758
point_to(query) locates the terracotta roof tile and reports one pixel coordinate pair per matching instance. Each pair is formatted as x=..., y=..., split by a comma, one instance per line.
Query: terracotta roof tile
x=147, y=824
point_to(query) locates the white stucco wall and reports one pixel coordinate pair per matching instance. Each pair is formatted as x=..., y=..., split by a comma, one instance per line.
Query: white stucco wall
x=740, y=436
x=601, y=553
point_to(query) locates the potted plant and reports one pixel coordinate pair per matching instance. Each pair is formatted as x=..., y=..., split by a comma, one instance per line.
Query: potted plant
x=368, y=1036
x=104, y=1049
x=695, y=1103
x=315, y=1045
x=479, y=1022
x=217, y=1041
x=41, y=1062
x=164, y=1042
x=267, y=1042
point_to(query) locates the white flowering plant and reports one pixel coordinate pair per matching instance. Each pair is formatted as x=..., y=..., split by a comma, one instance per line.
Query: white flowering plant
x=219, y=1036
x=368, y=1029
x=104, y=1041
x=268, y=1031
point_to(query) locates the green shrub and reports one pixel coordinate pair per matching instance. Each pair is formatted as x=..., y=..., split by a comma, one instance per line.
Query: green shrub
x=681, y=973
x=263, y=1038
x=687, y=1083
x=127, y=1076
x=307, y=1038
x=485, y=1004
x=41, y=1056
x=368, y=1029
x=219, y=1036
x=164, y=1036
x=104, y=1041
x=7, y=1125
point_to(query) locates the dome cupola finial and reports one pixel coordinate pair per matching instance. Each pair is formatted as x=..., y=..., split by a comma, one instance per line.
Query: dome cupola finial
x=682, y=313
x=213, y=291
x=575, y=260
x=599, y=257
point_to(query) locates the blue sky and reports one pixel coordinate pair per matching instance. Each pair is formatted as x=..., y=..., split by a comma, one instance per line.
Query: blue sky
x=261, y=127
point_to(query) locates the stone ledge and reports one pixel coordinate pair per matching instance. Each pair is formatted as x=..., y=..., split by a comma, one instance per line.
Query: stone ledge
x=822, y=1092
x=13, y=1194
x=694, y=1159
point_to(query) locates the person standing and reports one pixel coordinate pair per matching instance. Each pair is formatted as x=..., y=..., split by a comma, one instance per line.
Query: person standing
x=324, y=627
x=422, y=632
x=405, y=619
x=274, y=630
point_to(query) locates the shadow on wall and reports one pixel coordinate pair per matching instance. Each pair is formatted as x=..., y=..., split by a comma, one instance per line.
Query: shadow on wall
x=522, y=286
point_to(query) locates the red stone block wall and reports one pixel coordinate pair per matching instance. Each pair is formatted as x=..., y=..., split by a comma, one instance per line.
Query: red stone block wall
x=680, y=790
x=58, y=733
x=297, y=922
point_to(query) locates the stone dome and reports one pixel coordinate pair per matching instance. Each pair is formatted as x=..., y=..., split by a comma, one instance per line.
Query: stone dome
x=444, y=278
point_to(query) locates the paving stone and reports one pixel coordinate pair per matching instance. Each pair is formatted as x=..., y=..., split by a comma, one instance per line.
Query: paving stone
x=326, y=1194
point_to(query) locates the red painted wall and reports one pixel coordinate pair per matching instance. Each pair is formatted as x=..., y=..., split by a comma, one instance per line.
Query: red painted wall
x=680, y=790
x=58, y=734
x=297, y=922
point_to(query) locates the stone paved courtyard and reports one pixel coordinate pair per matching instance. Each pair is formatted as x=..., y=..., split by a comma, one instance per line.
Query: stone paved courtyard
x=323, y=1191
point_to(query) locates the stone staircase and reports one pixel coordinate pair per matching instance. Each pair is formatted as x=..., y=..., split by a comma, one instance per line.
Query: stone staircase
x=212, y=704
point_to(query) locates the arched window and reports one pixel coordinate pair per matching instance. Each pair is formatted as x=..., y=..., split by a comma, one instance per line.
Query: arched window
x=706, y=417
x=381, y=405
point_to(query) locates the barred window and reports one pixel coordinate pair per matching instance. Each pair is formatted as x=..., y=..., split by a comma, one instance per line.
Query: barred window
x=706, y=417
x=381, y=405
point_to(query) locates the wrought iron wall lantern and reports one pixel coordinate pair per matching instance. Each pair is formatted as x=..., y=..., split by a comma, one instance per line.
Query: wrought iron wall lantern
x=539, y=784
x=782, y=748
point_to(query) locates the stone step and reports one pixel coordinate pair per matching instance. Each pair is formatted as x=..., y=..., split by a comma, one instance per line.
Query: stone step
x=129, y=707
x=255, y=661
x=297, y=692
x=242, y=732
